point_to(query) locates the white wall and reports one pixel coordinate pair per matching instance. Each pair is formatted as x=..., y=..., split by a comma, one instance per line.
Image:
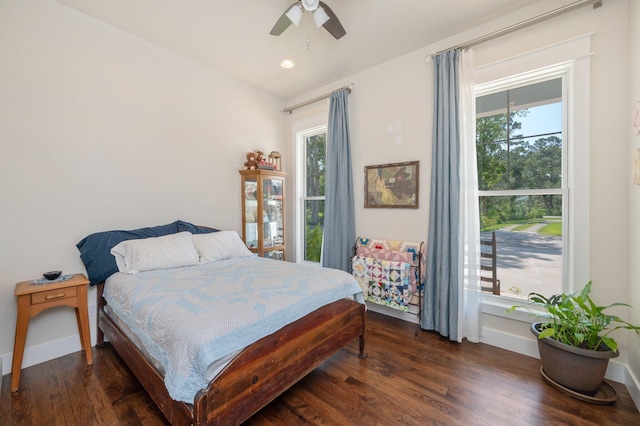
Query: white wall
x=101, y=130
x=634, y=199
x=401, y=90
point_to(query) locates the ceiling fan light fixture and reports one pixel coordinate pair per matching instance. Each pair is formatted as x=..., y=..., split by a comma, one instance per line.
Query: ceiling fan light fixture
x=295, y=14
x=323, y=16
x=310, y=5
x=320, y=17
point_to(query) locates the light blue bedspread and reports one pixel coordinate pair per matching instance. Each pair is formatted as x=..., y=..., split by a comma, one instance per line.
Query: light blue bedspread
x=189, y=317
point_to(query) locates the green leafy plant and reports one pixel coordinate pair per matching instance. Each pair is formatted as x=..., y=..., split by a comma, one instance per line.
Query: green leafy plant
x=314, y=243
x=575, y=320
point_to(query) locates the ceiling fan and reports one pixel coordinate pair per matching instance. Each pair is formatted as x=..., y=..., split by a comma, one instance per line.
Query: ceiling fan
x=322, y=16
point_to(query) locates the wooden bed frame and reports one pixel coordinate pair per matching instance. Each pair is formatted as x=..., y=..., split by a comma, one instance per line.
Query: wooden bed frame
x=259, y=374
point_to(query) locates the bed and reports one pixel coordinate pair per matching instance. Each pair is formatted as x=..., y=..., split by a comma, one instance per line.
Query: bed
x=235, y=377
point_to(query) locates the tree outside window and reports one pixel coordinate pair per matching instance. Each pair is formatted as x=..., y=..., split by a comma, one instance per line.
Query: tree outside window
x=315, y=150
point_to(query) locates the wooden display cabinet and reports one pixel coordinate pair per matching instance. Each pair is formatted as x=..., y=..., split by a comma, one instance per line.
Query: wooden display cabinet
x=263, y=229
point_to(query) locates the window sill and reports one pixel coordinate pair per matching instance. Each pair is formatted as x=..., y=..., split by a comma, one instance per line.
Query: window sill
x=498, y=306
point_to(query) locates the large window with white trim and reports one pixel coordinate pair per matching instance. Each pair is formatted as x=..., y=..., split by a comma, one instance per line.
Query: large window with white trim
x=523, y=182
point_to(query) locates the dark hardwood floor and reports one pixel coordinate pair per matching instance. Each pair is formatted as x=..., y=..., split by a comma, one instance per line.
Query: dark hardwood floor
x=406, y=380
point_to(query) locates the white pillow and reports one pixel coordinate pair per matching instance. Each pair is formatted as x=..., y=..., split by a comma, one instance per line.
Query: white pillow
x=148, y=254
x=219, y=246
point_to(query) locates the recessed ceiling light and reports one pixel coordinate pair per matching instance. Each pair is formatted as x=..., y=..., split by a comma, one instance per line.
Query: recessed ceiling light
x=287, y=63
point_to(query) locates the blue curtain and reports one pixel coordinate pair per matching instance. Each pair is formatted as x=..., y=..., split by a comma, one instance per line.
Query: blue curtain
x=440, y=309
x=339, y=222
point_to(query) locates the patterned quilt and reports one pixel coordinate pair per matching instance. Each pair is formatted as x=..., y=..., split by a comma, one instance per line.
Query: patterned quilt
x=384, y=282
x=402, y=251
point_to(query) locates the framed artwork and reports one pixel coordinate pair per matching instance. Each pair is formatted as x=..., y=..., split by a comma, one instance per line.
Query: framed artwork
x=392, y=186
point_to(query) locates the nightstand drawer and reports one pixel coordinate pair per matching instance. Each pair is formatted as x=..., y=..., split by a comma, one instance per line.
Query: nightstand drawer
x=48, y=296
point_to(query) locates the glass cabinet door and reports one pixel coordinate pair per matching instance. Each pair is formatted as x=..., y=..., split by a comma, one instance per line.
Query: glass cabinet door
x=272, y=218
x=251, y=213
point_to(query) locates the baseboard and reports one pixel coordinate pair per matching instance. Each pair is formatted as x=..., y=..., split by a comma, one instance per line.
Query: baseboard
x=410, y=316
x=633, y=386
x=46, y=351
x=510, y=342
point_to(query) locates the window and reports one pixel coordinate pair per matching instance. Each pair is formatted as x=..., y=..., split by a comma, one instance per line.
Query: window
x=312, y=151
x=524, y=183
x=568, y=60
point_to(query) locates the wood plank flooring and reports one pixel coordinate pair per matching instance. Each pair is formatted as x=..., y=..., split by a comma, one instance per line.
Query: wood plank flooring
x=406, y=380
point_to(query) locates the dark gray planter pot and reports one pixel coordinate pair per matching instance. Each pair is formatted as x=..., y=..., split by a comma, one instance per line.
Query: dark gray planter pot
x=578, y=369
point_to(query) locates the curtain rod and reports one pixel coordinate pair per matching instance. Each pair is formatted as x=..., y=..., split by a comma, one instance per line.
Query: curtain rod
x=531, y=21
x=319, y=98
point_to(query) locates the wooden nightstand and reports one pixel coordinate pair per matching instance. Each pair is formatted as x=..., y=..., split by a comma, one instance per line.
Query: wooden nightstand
x=35, y=298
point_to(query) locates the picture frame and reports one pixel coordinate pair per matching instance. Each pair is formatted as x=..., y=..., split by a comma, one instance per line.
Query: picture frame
x=393, y=185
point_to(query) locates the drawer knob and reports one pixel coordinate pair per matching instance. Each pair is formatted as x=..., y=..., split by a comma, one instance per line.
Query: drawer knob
x=54, y=296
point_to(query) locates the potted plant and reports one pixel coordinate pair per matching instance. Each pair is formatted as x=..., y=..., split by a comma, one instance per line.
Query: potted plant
x=574, y=339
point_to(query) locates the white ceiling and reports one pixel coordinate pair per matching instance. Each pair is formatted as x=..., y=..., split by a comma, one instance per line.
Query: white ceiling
x=233, y=36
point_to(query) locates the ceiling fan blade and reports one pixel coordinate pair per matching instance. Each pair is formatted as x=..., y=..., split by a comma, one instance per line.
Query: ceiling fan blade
x=282, y=24
x=333, y=25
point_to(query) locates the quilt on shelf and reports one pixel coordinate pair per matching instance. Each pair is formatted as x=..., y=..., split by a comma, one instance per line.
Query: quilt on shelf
x=384, y=282
x=390, y=272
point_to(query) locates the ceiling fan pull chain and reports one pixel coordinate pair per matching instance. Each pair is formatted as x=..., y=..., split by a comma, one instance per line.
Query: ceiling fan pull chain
x=308, y=43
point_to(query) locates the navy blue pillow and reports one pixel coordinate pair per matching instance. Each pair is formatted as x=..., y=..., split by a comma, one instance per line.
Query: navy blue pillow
x=194, y=229
x=95, y=249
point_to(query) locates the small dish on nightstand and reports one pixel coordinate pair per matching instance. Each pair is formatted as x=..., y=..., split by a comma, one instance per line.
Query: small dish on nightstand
x=52, y=275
